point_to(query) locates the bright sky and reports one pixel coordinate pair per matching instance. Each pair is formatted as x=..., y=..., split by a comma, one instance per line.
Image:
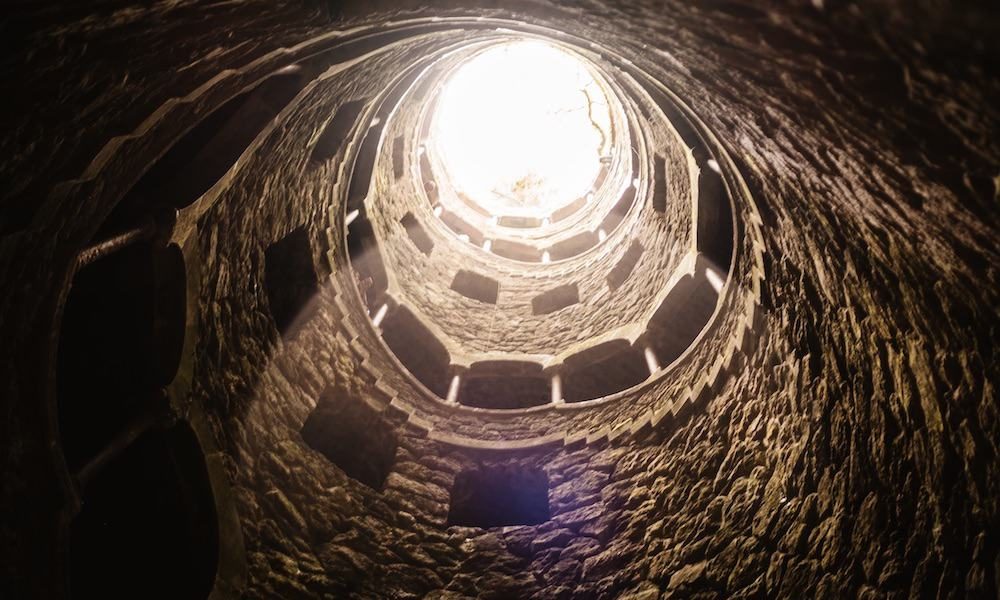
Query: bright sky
x=514, y=132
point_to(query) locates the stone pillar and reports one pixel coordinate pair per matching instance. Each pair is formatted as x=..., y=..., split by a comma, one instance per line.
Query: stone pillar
x=351, y=216
x=380, y=315
x=714, y=279
x=651, y=362
x=453, y=388
x=557, y=395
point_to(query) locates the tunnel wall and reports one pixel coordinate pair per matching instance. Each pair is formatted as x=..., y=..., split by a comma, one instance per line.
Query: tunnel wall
x=850, y=452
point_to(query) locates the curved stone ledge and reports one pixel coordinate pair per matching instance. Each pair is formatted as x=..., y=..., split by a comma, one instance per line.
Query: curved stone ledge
x=697, y=391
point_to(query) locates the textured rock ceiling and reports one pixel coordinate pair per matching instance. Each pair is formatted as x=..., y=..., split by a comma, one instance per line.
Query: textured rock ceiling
x=850, y=450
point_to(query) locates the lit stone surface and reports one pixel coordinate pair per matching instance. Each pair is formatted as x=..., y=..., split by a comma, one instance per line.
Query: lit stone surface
x=849, y=451
x=512, y=326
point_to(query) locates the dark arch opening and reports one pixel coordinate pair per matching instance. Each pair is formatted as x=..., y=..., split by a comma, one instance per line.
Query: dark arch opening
x=499, y=496
x=462, y=227
x=617, y=213
x=516, y=251
x=603, y=370
x=398, y=158
x=336, y=130
x=519, y=222
x=505, y=385
x=715, y=219
x=352, y=435
x=574, y=245
x=623, y=269
x=290, y=280
x=682, y=315
x=147, y=527
x=555, y=299
x=418, y=349
x=366, y=260
x=147, y=510
x=417, y=234
x=569, y=209
x=659, y=183
x=475, y=286
x=121, y=338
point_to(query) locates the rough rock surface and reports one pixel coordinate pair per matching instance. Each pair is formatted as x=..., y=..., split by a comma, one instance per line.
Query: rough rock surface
x=853, y=454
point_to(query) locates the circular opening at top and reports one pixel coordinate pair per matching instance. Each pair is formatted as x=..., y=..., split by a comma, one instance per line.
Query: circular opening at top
x=521, y=129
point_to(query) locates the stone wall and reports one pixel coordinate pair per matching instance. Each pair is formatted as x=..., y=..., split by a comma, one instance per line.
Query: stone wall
x=848, y=449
